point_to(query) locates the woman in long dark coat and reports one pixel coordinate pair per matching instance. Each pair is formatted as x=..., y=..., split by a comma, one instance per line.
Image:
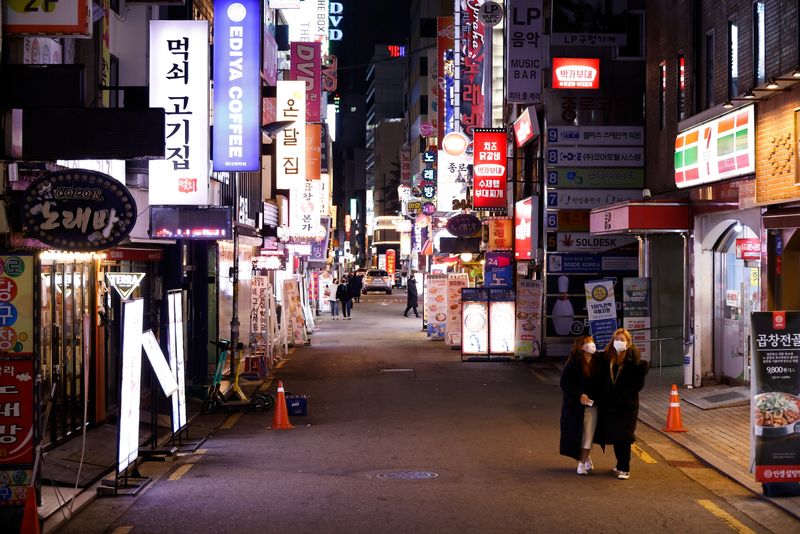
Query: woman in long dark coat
x=411, y=299
x=625, y=373
x=582, y=384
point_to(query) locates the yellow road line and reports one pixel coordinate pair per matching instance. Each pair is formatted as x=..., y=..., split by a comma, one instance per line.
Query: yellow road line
x=280, y=364
x=122, y=530
x=231, y=420
x=179, y=472
x=725, y=517
x=642, y=454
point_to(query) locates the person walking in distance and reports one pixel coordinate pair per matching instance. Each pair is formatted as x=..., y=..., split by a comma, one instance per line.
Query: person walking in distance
x=411, y=300
x=358, y=285
x=329, y=293
x=353, y=289
x=582, y=384
x=624, y=379
x=343, y=296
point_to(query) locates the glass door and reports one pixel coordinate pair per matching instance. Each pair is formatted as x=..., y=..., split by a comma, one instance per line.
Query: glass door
x=65, y=334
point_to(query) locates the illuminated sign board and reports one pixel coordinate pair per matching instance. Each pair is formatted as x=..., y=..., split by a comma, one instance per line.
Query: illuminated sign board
x=291, y=141
x=237, y=85
x=526, y=128
x=17, y=384
x=128, y=429
x=525, y=236
x=306, y=66
x=78, y=210
x=396, y=50
x=124, y=283
x=489, y=169
x=576, y=73
x=190, y=222
x=716, y=150
x=525, y=51
x=159, y=363
x=176, y=340
x=56, y=17
x=16, y=305
x=179, y=83
x=335, y=16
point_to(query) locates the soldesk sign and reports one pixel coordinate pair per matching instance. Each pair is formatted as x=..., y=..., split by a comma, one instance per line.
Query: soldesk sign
x=78, y=210
x=237, y=85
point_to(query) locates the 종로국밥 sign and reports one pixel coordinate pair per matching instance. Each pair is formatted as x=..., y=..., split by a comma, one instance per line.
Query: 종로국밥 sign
x=78, y=210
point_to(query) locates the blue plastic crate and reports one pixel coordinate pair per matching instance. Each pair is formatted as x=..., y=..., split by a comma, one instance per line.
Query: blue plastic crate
x=297, y=405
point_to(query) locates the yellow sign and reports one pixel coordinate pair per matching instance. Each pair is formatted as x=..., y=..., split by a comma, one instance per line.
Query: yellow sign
x=16, y=305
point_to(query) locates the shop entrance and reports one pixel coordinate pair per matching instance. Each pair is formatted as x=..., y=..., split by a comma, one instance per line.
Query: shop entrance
x=736, y=295
x=67, y=298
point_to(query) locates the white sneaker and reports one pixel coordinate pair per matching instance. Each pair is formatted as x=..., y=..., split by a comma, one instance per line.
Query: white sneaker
x=617, y=471
x=589, y=465
x=582, y=469
x=624, y=475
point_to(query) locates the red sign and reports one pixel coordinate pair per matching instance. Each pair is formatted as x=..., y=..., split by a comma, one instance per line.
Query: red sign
x=306, y=65
x=779, y=320
x=390, y=261
x=526, y=128
x=523, y=229
x=16, y=406
x=489, y=169
x=748, y=249
x=576, y=73
x=445, y=31
x=472, y=58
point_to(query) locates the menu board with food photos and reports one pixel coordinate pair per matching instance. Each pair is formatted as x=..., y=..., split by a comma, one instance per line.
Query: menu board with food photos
x=775, y=389
x=452, y=328
x=501, y=322
x=528, y=343
x=436, y=304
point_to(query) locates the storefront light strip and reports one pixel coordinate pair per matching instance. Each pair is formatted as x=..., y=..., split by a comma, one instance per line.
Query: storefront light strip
x=56, y=255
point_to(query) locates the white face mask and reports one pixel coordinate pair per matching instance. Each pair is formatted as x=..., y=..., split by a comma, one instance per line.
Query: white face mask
x=620, y=345
x=591, y=348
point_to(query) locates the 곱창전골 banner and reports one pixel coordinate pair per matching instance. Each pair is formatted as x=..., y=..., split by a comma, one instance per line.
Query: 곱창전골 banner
x=489, y=168
x=775, y=390
x=237, y=85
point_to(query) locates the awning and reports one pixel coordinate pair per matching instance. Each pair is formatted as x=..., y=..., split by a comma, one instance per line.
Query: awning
x=652, y=217
x=776, y=218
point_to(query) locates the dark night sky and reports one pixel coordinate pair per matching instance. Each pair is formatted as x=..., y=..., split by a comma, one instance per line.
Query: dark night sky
x=366, y=23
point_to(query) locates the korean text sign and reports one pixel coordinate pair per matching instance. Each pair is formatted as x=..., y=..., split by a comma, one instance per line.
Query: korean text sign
x=775, y=385
x=306, y=66
x=16, y=305
x=17, y=410
x=179, y=83
x=525, y=28
x=237, y=86
x=291, y=141
x=489, y=169
x=473, y=52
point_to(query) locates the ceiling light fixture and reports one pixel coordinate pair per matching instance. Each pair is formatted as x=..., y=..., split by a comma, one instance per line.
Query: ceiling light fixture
x=773, y=84
x=749, y=94
x=728, y=104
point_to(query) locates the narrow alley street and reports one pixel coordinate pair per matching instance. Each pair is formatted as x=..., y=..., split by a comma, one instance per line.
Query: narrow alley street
x=401, y=436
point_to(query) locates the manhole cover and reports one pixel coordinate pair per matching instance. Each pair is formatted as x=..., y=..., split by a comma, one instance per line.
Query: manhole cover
x=723, y=397
x=408, y=475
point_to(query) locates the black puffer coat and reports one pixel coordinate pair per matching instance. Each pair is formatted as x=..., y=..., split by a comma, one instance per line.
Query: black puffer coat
x=574, y=383
x=620, y=408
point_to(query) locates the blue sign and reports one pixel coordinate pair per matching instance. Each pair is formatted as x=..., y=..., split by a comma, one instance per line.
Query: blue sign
x=237, y=85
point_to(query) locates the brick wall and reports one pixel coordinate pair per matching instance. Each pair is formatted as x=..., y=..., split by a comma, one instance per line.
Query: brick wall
x=775, y=149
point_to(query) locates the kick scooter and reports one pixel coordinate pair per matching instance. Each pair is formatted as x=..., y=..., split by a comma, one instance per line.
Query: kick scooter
x=234, y=397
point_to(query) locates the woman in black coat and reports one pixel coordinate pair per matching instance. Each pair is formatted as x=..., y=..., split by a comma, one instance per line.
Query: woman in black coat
x=582, y=384
x=411, y=300
x=625, y=373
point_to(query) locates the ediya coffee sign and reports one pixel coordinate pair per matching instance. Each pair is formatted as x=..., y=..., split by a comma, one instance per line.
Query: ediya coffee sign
x=78, y=210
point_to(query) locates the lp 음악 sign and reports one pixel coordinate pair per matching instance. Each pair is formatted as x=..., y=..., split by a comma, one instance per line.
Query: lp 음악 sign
x=775, y=389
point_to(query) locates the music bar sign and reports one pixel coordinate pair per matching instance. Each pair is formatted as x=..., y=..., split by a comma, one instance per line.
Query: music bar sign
x=124, y=283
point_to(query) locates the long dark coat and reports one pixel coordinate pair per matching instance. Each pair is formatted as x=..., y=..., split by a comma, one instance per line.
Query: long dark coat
x=620, y=408
x=574, y=383
x=411, y=298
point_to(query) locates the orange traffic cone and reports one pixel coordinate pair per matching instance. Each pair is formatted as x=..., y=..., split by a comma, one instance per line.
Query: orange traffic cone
x=280, y=419
x=30, y=517
x=674, y=423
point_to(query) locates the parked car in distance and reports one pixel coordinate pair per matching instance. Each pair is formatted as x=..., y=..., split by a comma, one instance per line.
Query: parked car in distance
x=377, y=280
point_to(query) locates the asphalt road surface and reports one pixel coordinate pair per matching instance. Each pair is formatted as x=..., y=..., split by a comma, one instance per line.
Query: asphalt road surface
x=404, y=437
